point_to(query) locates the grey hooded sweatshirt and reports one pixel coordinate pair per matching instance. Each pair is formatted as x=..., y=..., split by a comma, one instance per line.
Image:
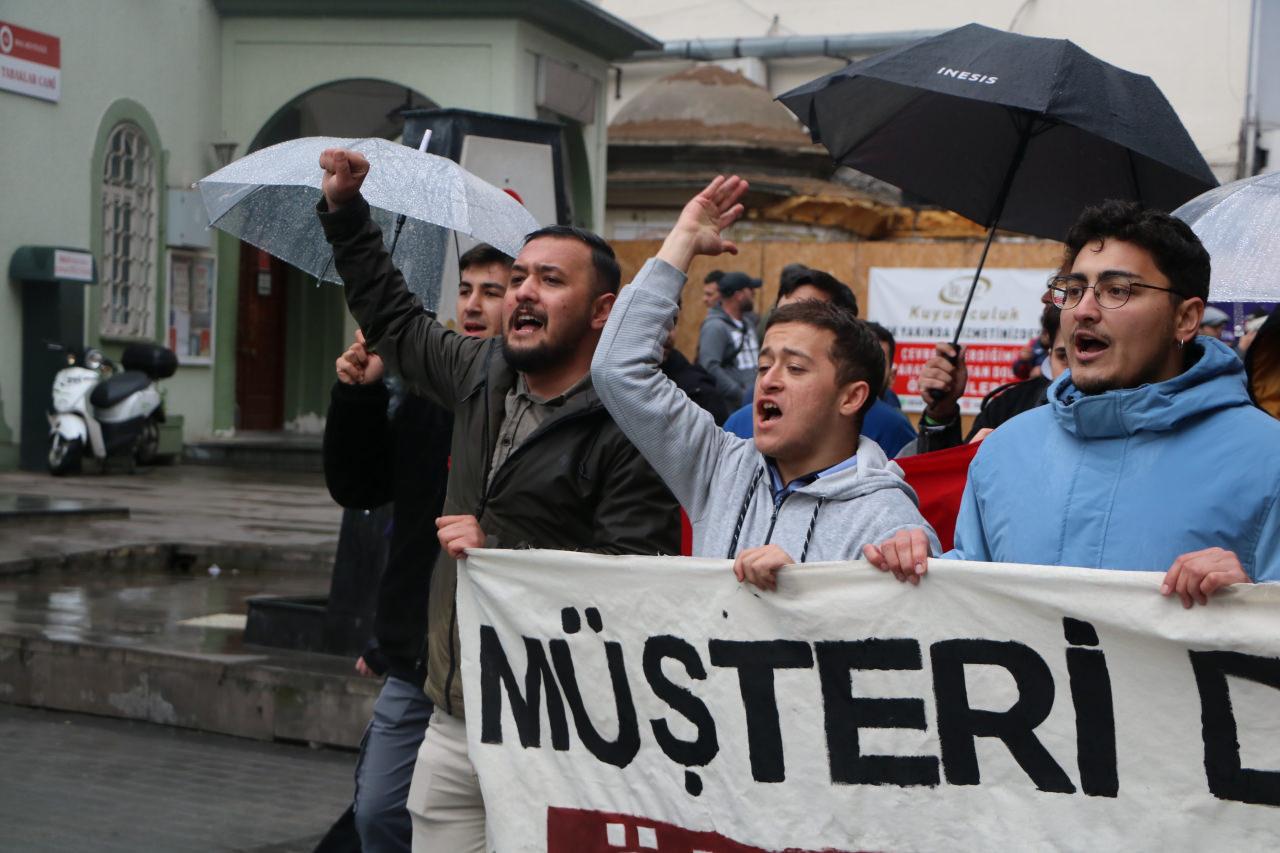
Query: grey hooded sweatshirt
x=722, y=480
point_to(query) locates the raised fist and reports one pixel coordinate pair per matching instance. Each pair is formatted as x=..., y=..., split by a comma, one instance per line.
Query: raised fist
x=344, y=172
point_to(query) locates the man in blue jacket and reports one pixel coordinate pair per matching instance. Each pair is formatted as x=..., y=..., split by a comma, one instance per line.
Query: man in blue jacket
x=1149, y=455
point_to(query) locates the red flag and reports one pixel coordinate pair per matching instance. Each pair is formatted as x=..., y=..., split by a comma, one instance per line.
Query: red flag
x=939, y=478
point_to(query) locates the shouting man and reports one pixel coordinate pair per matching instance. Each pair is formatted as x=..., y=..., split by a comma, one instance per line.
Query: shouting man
x=1127, y=465
x=536, y=460
x=807, y=487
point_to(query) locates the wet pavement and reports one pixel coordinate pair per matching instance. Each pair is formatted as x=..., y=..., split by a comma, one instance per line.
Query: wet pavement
x=74, y=782
x=190, y=612
x=187, y=504
x=143, y=617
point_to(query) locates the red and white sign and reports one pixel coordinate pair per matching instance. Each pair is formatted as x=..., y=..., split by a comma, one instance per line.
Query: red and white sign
x=921, y=306
x=72, y=266
x=30, y=62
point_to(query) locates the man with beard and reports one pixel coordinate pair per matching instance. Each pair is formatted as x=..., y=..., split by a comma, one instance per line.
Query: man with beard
x=1124, y=466
x=536, y=460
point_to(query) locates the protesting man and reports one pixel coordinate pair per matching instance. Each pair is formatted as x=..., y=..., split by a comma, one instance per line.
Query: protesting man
x=378, y=451
x=881, y=423
x=808, y=487
x=727, y=342
x=536, y=460
x=1125, y=467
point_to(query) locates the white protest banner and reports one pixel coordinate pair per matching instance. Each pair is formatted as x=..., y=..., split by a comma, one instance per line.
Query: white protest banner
x=922, y=305
x=647, y=703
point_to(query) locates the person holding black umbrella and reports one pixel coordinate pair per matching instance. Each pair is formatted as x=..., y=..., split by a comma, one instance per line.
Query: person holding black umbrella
x=1124, y=464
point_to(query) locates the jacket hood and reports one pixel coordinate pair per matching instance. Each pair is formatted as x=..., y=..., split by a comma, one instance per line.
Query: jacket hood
x=1215, y=381
x=874, y=472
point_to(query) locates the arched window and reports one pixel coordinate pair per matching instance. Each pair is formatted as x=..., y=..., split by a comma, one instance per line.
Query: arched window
x=128, y=234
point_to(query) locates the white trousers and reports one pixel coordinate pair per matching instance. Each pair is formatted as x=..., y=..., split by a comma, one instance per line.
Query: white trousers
x=445, y=803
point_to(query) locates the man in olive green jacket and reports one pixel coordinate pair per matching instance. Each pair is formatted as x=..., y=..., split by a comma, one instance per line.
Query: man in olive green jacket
x=537, y=461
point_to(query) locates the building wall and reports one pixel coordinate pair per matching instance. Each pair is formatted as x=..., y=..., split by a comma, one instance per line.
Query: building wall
x=1195, y=50
x=192, y=78
x=484, y=65
x=533, y=43
x=163, y=58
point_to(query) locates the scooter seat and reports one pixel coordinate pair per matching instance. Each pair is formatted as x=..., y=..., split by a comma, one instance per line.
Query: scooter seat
x=118, y=388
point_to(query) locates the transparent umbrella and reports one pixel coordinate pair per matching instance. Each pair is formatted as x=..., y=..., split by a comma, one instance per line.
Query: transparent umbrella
x=268, y=199
x=1237, y=224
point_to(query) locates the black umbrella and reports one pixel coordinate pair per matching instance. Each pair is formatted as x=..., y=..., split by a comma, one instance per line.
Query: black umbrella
x=1008, y=130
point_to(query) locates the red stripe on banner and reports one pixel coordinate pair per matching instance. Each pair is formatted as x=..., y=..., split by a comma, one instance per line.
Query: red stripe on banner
x=586, y=831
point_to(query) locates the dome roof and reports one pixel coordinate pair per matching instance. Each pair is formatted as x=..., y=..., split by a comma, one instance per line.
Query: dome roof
x=707, y=105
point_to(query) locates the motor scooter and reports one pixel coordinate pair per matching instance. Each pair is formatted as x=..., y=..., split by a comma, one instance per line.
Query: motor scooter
x=110, y=411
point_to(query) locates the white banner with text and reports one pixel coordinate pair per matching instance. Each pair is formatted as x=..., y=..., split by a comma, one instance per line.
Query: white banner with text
x=922, y=305
x=652, y=703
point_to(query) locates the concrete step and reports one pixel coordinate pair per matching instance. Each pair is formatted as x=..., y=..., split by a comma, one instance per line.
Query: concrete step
x=29, y=512
x=275, y=695
x=264, y=451
x=156, y=633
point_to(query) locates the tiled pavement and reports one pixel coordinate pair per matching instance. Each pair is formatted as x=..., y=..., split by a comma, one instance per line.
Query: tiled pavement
x=70, y=782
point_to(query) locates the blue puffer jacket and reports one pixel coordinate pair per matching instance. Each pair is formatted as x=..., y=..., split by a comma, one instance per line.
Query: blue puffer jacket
x=1131, y=479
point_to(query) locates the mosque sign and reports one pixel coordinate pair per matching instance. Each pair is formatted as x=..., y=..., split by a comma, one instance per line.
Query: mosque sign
x=30, y=62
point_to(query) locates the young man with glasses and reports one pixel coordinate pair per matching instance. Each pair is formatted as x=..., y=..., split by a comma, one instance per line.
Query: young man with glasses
x=1136, y=461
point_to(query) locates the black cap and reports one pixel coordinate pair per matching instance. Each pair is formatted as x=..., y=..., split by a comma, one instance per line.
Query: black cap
x=731, y=282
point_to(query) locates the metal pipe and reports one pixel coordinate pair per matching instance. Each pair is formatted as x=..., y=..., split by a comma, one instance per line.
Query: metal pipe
x=781, y=47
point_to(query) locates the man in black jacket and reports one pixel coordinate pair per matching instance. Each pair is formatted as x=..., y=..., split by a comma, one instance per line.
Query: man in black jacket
x=536, y=461
x=693, y=379
x=377, y=452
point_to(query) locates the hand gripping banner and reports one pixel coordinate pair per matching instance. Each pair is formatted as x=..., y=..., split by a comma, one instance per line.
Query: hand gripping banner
x=637, y=703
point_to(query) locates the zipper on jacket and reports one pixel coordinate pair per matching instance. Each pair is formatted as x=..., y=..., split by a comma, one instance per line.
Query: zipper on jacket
x=777, y=508
x=484, y=503
x=453, y=663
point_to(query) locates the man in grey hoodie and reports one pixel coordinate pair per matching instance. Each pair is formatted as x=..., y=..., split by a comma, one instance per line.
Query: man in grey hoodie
x=807, y=488
x=727, y=342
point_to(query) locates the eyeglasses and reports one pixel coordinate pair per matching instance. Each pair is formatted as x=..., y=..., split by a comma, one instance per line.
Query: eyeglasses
x=1111, y=291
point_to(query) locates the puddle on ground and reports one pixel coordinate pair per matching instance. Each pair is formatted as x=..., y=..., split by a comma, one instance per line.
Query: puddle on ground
x=145, y=608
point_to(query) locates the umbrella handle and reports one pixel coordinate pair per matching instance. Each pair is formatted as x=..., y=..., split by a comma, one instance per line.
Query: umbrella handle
x=935, y=394
x=400, y=220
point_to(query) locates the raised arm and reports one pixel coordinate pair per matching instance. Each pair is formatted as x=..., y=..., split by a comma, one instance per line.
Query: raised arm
x=428, y=356
x=678, y=438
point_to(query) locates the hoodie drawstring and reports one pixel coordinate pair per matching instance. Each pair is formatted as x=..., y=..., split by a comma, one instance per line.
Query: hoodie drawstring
x=742, y=516
x=813, y=522
x=742, y=513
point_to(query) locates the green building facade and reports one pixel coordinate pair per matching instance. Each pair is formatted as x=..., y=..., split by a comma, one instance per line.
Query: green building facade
x=155, y=95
